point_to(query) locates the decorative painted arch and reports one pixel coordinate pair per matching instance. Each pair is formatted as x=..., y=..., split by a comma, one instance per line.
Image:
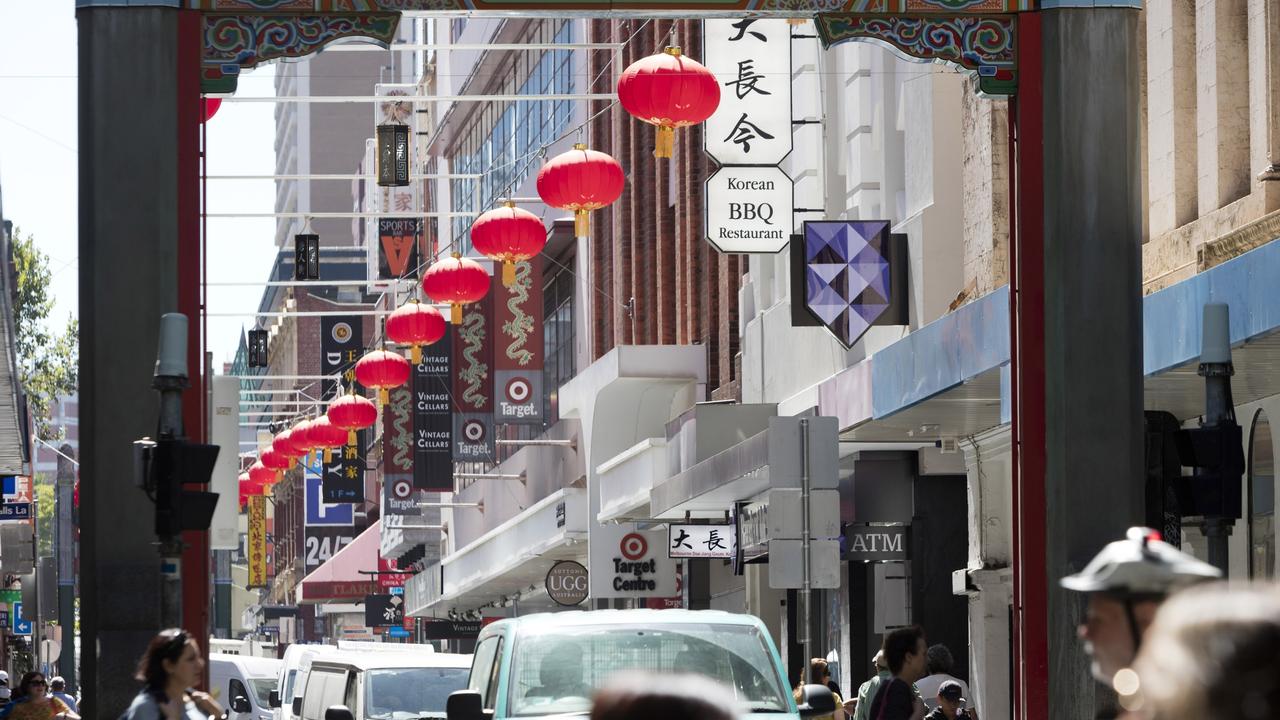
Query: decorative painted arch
x=977, y=35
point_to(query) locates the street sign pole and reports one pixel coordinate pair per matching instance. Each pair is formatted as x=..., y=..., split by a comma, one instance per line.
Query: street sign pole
x=35, y=576
x=805, y=531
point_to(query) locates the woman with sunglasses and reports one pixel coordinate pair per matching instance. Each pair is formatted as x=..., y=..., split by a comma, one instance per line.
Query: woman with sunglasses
x=169, y=669
x=35, y=703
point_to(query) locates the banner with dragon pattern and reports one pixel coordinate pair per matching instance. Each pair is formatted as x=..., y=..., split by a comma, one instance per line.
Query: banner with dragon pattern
x=517, y=378
x=473, y=382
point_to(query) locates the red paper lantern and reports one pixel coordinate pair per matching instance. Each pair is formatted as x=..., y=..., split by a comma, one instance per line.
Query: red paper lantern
x=301, y=431
x=580, y=180
x=283, y=443
x=261, y=476
x=457, y=281
x=273, y=460
x=508, y=234
x=209, y=108
x=352, y=412
x=415, y=324
x=324, y=435
x=669, y=91
x=382, y=370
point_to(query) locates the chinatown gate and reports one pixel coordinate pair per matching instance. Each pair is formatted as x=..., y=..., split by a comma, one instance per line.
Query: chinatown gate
x=1069, y=67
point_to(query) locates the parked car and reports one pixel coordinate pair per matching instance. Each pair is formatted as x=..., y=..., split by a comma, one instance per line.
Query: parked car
x=382, y=686
x=286, y=701
x=551, y=664
x=243, y=684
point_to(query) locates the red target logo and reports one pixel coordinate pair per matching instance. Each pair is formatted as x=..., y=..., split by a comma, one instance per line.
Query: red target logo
x=402, y=489
x=518, y=389
x=633, y=546
x=473, y=431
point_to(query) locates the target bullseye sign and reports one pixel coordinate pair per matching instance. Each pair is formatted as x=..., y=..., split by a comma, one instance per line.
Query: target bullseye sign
x=633, y=546
x=402, y=488
x=474, y=431
x=518, y=389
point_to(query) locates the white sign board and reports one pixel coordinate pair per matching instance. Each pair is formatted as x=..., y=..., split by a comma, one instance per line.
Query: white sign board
x=630, y=563
x=749, y=209
x=751, y=59
x=224, y=431
x=701, y=541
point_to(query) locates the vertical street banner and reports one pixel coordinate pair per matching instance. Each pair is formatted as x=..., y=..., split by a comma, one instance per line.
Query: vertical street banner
x=517, y=378
x=751, y=58
x=257, y=542
x=473, y=381
x=433, y=416
x=398, y=253
x=398, y=494
x=341, y=345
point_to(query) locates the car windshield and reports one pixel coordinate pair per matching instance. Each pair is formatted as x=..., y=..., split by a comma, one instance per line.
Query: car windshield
x=558, y=670
x=262, y=688
x=403, y=693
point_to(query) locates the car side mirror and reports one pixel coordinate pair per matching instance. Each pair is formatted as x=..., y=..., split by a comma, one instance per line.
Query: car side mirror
x=296, y=708
x=815, y=700
x=240, y=704
x=466, y=705
x=338, y=712
x=273, y=699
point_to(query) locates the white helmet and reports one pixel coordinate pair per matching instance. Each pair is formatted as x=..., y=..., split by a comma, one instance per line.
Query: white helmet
x=1141, y=564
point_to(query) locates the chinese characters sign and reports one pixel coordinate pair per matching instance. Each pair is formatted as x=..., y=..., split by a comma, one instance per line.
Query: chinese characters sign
x=257, y=541
x=751, y=59
x=341, y=345
x=518, y=360
x=701, y=541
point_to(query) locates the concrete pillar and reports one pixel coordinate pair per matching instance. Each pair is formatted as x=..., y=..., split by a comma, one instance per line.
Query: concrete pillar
x=1222, y=108
x=129, y=199
x=1092, y=316
x=1171, y=114
x=990, y=577
x=1264, y=96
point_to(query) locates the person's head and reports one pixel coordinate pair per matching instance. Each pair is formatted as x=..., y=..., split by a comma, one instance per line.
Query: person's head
x=172, y=658
x=950, y=698
x=1125, y=584
x=57, y=684
x=904, y=650
x=644, y=696
x=819, y=672
x=878, y=661
x=1210, y=655
x=562, y=665
x=939, y=660
x=33, y=685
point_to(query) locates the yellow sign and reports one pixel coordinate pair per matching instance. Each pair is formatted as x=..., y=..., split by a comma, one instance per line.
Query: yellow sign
x=257, y=541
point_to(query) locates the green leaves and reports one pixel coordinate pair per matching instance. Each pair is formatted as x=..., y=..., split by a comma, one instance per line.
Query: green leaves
x=48, y=363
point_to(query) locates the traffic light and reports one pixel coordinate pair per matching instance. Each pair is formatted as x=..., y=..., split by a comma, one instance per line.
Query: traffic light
x=1216, y=488
x=175, y=463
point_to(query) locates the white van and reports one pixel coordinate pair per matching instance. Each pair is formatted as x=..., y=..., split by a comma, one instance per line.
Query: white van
x=383, y=686
x=290, y=679
x=243, y=684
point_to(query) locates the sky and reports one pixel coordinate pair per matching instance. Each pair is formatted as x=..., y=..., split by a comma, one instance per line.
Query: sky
x=38, y=137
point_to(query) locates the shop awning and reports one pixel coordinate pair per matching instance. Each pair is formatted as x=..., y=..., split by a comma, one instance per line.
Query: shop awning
x=510, y=558
x=339, y=579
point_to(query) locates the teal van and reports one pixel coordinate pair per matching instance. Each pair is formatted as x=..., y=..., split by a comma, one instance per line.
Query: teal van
x=550, y=665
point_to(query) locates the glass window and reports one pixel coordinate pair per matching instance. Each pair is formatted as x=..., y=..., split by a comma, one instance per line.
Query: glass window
x=410, y=692
x=484, y=668
x=262, y=688
x=236, y=689
x=558, y=670
x=1262, y=508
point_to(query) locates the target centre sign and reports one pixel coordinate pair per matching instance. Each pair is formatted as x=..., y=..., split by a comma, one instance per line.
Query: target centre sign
x=630, y=563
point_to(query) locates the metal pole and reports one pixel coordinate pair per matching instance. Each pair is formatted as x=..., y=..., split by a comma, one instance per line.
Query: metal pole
x=171, y=379
x=66, y=567
x=804, y=634
x=35, y=577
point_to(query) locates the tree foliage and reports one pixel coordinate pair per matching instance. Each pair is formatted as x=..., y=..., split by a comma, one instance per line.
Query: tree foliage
x=48, y=362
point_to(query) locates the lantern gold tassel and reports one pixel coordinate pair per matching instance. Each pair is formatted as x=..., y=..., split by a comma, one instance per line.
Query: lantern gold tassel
x=328, y=455
x=351, y=438
x=581, y=223
x=665, y=142
x=508, y=273
x=415, y=354
x=455, y=314
x=383, y=396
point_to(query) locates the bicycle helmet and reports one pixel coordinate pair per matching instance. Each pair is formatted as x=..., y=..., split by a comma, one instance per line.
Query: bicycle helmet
x=1141, y=564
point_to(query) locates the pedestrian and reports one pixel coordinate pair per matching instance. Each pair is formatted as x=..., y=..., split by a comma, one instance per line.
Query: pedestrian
x=35, y=703
x=1210, y=654
x=58, y=689
x=940, y=664
x=951, y=704
x=905, y=653
x=644, y=696
x=5, y=692
x=168, y=670
x=820, y=674
x=867, y=691
x=1125, y=584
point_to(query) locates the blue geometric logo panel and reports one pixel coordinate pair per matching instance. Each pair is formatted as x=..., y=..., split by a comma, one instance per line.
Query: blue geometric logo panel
x=847, y=275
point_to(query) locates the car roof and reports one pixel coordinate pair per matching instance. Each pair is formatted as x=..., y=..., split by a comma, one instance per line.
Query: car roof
x=253, y=665
x=577, y=618
x=374, y=661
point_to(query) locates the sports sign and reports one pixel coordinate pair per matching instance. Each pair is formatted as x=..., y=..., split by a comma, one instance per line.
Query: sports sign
x=398, y=240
